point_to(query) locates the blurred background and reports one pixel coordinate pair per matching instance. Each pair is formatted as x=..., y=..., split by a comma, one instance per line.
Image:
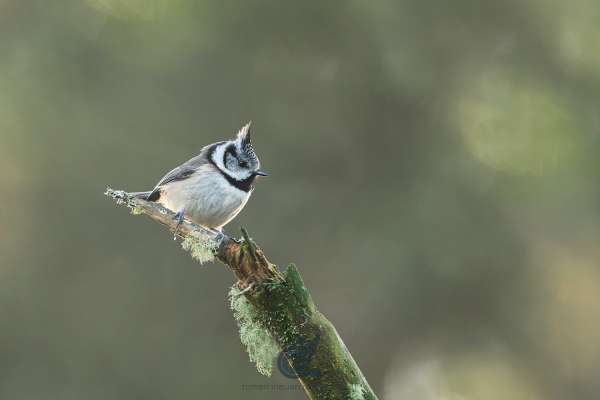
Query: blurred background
x=434, y=175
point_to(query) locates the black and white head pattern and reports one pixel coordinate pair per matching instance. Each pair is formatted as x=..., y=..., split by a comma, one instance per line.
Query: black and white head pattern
x=236, y=158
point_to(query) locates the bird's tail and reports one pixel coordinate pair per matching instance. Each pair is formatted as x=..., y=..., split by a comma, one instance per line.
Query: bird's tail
x=141, y=195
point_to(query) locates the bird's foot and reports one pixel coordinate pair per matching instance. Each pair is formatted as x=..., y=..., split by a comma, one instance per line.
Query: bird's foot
x=179, y=218
x=220, y=236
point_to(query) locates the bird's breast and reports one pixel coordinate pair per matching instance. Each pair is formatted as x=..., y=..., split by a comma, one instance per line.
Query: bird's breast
x=206, y=197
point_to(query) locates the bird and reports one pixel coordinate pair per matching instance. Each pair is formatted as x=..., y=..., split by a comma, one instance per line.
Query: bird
x=213, y=187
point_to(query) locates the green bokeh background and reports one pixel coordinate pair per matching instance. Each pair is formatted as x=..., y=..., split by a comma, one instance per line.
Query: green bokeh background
x=434, y=175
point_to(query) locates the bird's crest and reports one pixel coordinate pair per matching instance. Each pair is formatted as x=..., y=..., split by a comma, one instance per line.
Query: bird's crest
x=245, y=141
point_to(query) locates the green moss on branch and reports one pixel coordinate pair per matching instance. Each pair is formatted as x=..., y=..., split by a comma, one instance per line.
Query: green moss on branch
x=309, y=341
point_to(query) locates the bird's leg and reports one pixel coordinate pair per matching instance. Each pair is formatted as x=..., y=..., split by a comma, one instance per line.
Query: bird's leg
x=219, y=232
x=179, y=218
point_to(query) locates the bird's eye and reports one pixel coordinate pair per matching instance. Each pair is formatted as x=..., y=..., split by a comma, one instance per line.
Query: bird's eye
x=243, y=164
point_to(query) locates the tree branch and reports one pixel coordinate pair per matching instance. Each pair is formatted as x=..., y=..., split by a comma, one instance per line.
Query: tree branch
x=271, y=306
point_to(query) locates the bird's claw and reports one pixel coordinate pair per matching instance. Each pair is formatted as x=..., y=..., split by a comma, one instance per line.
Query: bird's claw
x=220, y=237
x=179, y=218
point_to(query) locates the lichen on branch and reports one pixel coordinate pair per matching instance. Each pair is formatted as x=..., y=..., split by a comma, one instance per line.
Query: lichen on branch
x=260, y=345
x=201, y=248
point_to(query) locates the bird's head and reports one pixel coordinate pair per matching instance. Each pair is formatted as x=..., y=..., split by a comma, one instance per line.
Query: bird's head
x=237, y=157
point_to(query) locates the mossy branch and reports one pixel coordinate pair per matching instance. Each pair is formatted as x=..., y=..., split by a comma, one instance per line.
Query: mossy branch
x=274, y=310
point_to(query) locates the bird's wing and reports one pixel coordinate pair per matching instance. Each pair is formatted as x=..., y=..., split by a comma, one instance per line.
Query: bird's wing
x=180, y=173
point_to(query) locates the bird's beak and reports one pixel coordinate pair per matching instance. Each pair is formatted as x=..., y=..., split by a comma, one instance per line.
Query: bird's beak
x=261, y=173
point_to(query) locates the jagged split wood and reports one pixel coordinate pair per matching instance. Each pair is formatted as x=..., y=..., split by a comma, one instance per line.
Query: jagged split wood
x=282, y=306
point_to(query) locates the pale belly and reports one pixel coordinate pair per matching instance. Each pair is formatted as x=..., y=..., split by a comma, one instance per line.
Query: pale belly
x=206, y=198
